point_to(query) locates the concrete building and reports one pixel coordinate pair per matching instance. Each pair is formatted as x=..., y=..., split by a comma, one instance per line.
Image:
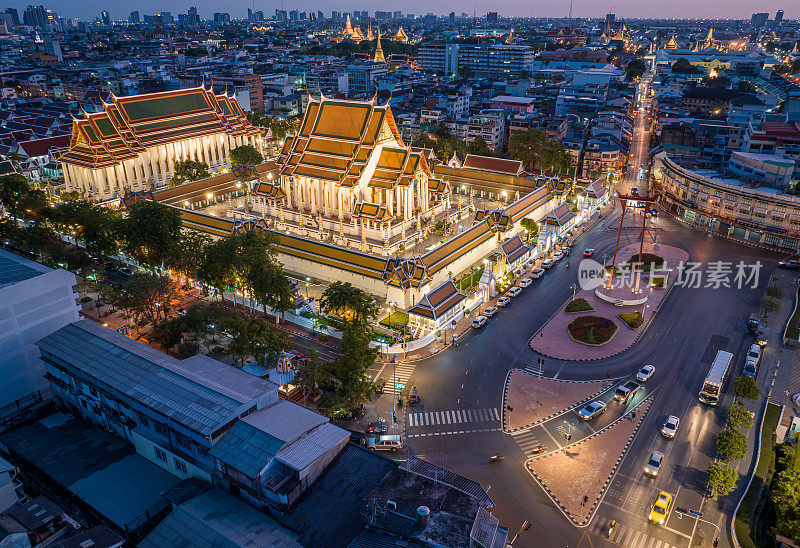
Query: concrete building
x=34, y=301
x=727, y=205
x=489, y=59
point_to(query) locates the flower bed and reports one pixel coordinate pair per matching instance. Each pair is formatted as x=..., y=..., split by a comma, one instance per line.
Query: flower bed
x=578, y=305
x=633, y=320
x=592, y=330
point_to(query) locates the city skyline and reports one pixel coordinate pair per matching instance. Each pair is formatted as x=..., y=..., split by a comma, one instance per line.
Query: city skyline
x=625, y=9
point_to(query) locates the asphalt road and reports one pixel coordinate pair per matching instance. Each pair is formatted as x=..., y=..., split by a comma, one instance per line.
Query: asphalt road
x=463, y=385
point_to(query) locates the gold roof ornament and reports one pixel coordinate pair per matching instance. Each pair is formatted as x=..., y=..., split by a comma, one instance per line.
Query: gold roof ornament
x=401, y=35
x=370, y=36
x=379, y=58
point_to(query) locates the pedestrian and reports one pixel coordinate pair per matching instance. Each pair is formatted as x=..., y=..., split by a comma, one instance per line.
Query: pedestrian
x=608, y=373
x=633, y=414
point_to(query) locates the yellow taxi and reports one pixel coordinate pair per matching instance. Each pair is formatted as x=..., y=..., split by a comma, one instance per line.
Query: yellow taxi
x=659, y=511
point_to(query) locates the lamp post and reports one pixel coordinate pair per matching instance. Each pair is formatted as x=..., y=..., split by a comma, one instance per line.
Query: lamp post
x=574, y=288
x=308, y=279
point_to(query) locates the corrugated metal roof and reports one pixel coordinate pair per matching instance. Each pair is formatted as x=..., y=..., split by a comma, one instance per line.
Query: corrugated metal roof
x=200, y=394
x=310, y=447
x=217, y=519
x=15, y=269
x=331, y=514
x=285, y=420
x=246, y=448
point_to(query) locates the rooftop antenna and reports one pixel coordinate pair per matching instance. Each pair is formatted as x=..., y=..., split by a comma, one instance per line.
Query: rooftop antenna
x=570, y=10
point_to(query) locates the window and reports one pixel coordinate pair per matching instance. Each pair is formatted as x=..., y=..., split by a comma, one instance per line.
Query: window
x=180, y=466
x=160, y=453
x=161, y=429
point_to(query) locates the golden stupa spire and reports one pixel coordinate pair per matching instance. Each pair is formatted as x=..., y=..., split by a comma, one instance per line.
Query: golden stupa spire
x=379, y=58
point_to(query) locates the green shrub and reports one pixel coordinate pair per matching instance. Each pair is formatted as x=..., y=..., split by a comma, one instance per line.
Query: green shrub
x=634, y=320
x=578, y=305
x=592, y=330
x=657, y=282
x=649, y=261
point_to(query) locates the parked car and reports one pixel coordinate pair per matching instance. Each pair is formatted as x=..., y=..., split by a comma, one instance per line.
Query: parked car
x=413, y=396
x=558, y=255
x=659, y=511
x=525, y=282
x=502, y=302
x=547, y=264
x=181, y=312
x=566, y=250
x=514, y=291
x=750, y=369
x=480, y=321
x=670, y=427
x=490, y=311
x=537, y=273
x=391, y=443
x=634, y=190
x=592, y=410
x=654, y=464
x=588, y=252
x=377, y=427
x=754, y=354
x=645, y=373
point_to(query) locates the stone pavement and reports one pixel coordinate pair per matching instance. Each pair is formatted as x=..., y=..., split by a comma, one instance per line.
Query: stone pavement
x=533, y=398
x=585, y=469
x=553, y=339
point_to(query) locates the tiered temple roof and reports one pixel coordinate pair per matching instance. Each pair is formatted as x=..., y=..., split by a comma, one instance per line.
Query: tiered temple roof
x=337, y=138
x=128, y=125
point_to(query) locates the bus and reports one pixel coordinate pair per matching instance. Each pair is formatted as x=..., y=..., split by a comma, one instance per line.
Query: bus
x=712, y=386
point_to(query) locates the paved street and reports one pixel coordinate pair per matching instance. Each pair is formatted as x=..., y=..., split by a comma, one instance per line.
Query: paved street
x=457, y=422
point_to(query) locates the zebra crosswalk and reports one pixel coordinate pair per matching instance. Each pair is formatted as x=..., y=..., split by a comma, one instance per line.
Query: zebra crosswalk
x=435, y=418
x=532, y=369
x=628, y=536
x=397, y=375
x=527, y=441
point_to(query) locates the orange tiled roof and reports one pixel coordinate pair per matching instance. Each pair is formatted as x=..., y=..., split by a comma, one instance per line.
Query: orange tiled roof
x=129, y=125
x=493, y=165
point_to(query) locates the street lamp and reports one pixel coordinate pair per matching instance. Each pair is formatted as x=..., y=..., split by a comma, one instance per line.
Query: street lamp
x=308, y=280
x=574, y=288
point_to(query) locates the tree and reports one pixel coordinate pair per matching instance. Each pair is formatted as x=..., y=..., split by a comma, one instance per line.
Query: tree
x=683, y=66
x=97, y=227
x=246, y=155
x=526, y=146
x=746, y=387
x=147, y=298
x=722, y=478
x=553, y=156
x=266, y=342
x=352, y=387
x=188, y=170
x=479, y=147
x=770, y=305
x=731, y=444
x=531, y=226
x=716, y=82
x=310, y=373
x=13, y=189
x=635, y=70
x=150, y=231
x=740, y=416
x=240, y=329
x=186, y=256
x=220, y=265
x=345, y=301
x=785, y=495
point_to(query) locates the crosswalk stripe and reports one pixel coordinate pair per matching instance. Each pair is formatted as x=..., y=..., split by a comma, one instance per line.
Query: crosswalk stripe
x=496, y=414
x=650, y=544
x=658, y=543
x=618, y=533
x=635, y=538
x=451, y=417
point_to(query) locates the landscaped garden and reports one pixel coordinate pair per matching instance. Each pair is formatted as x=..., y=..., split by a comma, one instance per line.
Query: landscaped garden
x=793, y=328
x=649, y=261
x=592, y=330
x=395, y=320
x=578, y=305
x=634, y=320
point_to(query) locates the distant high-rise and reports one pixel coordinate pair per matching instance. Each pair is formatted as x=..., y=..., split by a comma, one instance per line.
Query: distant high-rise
x=491, y=17
x=14, y=15
x=611, y=18
x=281, y=15
x=320, y=15
x=222, y=18
x=398, y=15
x=758, y=20
x=105, y=18
x=166, y=18
x=134, y=18
x=36, y=16
x=452, y=16
x=337, y=16
x=293, y=15
x=778, y=17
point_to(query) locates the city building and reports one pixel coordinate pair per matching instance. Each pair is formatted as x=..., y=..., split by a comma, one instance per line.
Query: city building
x=482, y=59
x=727, y=205
x=133, y=143
x=34, y=300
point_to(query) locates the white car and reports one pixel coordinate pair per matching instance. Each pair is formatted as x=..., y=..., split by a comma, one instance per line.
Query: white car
x=670, y=427
x=654, y=464
x=480, y=321
x=525, y=282
x=537, y=273
x=558, y=255
x=502, y=302
x=547, y=264
x=514, y=291
x=592, y=410
x=490, y=311
x=645, y=373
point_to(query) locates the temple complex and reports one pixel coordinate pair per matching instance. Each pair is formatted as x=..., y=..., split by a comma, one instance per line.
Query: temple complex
x=132, y=144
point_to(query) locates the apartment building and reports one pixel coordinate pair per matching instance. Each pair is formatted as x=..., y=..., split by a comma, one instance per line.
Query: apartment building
x=489, y=59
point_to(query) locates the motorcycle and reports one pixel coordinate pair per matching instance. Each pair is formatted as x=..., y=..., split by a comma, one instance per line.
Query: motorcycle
x=538, y=449
x=611, y=527
x=496, y=458
x=566, y=265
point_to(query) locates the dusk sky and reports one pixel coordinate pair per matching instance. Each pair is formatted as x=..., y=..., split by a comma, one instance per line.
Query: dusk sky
x=88, y=9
